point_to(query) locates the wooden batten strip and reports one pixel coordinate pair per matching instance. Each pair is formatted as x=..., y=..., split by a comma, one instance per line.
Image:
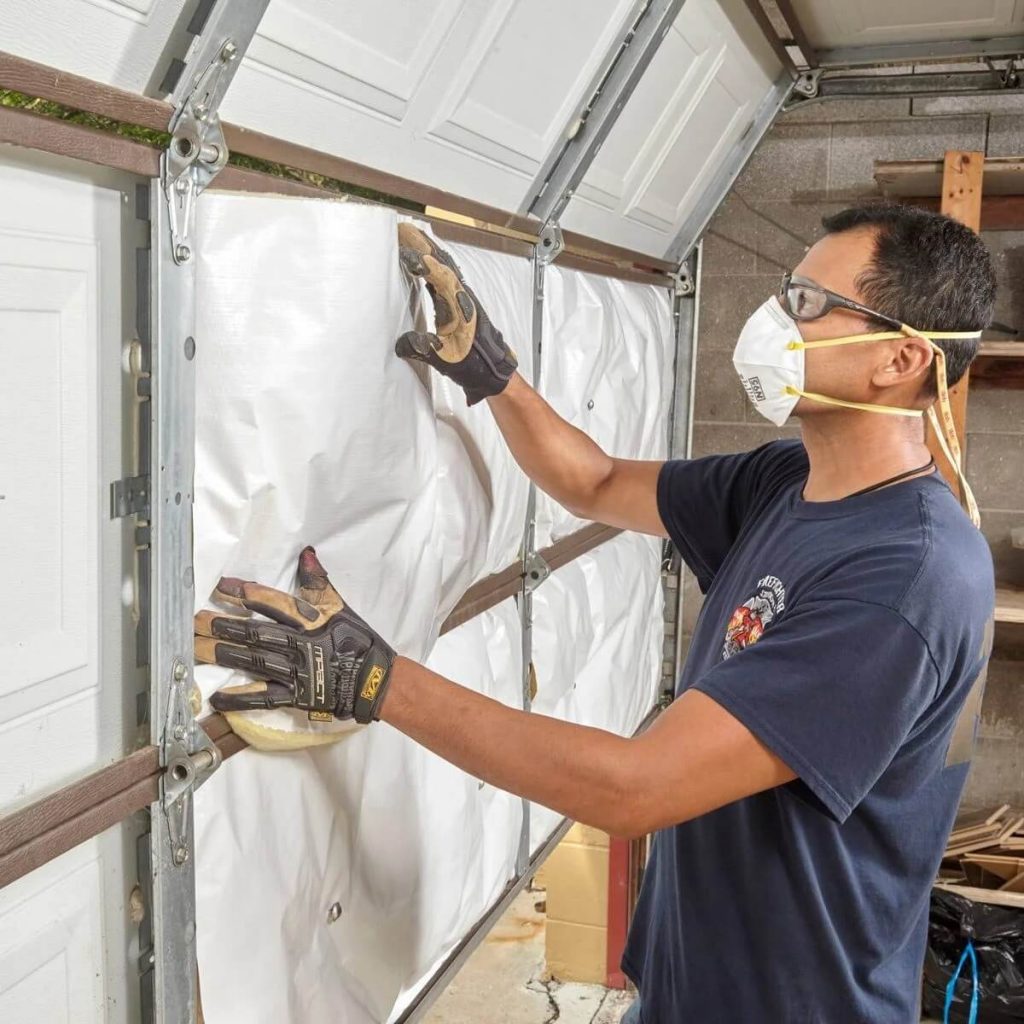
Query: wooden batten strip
x=80, y=93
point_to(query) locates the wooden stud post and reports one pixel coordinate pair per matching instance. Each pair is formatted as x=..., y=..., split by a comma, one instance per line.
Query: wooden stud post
x=961, y=200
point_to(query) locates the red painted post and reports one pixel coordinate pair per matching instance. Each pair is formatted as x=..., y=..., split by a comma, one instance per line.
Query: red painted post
x=618, y=909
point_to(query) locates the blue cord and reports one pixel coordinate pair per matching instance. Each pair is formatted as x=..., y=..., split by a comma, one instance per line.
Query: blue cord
x=951, y=986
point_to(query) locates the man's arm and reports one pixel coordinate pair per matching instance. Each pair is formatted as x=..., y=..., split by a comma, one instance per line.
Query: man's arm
x=566, y=464
x=695, y=758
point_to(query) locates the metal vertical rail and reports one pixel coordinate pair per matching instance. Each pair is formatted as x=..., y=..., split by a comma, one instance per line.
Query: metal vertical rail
x=634, y=50
x=196, y=154
x=173, y=404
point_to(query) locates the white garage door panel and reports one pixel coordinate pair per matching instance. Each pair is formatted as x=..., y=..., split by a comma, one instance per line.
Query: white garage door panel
x=870, y=22
x=51, y=943
x=694, y=102
x=465, y=96
x=114, y=41
x=60, y=307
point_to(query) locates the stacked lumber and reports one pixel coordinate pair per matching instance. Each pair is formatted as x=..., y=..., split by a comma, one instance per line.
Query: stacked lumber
x=984, y=858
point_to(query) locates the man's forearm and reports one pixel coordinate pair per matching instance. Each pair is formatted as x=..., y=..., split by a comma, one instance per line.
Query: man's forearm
x=561, y=460
x=581, y=772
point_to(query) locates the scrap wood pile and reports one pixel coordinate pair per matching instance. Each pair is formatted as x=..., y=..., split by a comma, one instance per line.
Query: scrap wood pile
x=984, y=857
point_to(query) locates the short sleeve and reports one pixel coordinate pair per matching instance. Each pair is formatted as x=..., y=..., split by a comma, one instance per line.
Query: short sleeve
x=704, y=503
x=833, y=689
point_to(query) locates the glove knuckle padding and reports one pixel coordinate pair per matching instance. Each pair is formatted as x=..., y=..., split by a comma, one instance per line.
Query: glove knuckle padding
x=472, y=351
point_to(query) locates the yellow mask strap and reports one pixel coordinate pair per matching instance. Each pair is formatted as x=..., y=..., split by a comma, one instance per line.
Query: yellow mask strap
x=942, y=424
x=853, y=339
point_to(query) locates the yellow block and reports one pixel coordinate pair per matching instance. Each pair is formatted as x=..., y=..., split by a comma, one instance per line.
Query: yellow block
x=576, y=952
x=586, y=836
x=577, y=883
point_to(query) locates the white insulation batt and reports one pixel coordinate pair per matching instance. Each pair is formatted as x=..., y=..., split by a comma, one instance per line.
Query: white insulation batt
x=311, y=431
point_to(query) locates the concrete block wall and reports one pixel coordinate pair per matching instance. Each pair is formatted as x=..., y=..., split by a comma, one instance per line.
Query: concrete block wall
x=815, y=161
x=576, y=879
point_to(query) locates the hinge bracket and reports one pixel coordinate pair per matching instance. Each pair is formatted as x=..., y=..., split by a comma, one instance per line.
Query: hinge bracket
x=683, y=279
x=130, y=497
x=188, y=756
x=197, y=152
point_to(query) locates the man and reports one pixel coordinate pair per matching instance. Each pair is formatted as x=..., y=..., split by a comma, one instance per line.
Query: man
x=804, y=781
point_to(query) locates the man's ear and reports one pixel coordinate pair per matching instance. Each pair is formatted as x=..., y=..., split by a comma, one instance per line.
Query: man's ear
x=909, y=360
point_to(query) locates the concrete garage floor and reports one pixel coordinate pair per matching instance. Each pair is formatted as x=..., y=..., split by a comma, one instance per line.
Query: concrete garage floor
x=505, y=980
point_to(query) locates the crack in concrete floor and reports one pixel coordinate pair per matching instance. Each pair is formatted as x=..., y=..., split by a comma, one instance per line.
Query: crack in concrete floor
x=506, y=981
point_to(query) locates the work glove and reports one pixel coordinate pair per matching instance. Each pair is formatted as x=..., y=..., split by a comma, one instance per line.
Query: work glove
x=311, y=652
x=467, y=347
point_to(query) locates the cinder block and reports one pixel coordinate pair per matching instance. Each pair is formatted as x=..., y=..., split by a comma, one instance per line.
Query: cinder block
x=785, y=231
x=994, y=469
x=731, y=239
x=792, y=162
x=1011, y=103
x=1008, y=560
x=886, y=108
x=1002, y=710
x=725, y=304
x=709, y=438
x=717, y=393
x=996, y=775
x=584, y=835
x=1007, y=251
x=576, y=952
x=577, y=884
x=856, y=147
x=1005, y=135
x=994, y=411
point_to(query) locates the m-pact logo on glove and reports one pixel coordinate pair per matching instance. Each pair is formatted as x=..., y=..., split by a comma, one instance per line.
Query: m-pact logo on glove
x=372, y=684
x=318, y=674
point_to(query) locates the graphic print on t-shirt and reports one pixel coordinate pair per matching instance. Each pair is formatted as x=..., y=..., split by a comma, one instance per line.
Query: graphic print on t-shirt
x=752, y=618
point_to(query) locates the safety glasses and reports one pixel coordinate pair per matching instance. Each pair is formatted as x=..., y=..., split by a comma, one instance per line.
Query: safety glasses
x=804, y=299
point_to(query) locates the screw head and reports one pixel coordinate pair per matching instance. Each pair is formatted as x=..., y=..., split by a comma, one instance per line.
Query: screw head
x=229, y=52
x=333, y=913
x=180, y=854
x=183, y=253
x=181, y=185
x=180, y=671
x=179, y=732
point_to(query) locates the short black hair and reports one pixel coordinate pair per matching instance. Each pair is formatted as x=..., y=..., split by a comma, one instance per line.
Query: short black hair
x=928, y=271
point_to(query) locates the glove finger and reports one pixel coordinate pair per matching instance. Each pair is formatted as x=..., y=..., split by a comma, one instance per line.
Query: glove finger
x=203, y=623
x=275, y=604
x=315, y=585
x=271, y=664
x=256, y=696
x=418, y=345
x=415, y=243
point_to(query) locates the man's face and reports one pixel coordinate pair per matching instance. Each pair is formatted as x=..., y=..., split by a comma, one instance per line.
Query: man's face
x=845, y=371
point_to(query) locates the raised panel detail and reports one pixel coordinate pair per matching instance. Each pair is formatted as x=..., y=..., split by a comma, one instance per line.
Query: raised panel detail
x=871, y=22
x=51, y=944
x=48, y=593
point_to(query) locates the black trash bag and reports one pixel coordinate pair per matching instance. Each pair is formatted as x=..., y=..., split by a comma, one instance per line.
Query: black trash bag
x=998, y=937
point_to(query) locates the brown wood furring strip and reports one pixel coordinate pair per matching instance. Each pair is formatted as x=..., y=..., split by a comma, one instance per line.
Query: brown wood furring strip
x=33, y=131
x=76, y=828
x=80, y=93
x=592, y=266
x=47, y=813
x=485, y=594
x=570, y=548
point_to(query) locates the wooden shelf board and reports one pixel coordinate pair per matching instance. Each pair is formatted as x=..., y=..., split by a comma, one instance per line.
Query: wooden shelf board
x=1009, y=604
x=1003, y=175
x=1001, y=350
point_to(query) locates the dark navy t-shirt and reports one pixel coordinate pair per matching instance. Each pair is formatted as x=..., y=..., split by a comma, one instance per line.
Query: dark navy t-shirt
x=851, y=638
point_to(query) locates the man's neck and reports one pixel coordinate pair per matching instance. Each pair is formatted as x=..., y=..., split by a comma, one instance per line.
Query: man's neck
x=849, y=451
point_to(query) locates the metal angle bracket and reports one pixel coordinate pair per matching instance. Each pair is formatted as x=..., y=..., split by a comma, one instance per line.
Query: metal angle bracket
x=684, y=285
x=806, y=83
x=197, y=151
x=189, y=757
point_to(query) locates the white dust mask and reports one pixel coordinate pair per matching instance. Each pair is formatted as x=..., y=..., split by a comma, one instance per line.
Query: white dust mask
x=769, y=358
x=771, y=370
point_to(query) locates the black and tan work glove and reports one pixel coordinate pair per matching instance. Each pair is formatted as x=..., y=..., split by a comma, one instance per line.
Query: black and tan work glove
x=467, y=348
x=310, y=652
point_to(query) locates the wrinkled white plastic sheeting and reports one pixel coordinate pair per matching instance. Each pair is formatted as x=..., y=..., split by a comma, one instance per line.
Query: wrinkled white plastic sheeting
x=482, y=492
x=607, y=367
x=598, y=631
x=310, y=430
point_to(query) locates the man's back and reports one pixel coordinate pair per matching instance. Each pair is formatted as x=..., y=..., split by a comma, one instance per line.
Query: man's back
x=851, y=638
